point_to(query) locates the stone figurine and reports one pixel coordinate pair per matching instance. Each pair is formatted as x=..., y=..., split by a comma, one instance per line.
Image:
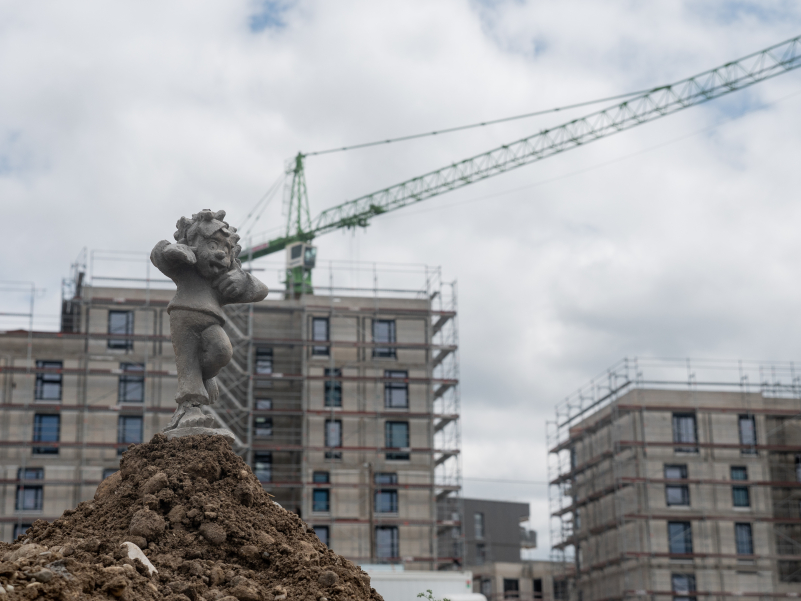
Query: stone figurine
x=204, y=264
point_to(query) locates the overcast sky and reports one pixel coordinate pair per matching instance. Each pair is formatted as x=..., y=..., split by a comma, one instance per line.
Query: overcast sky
x=678, y=238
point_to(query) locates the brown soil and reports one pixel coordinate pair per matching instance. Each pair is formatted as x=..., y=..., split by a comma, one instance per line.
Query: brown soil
x=204, y=521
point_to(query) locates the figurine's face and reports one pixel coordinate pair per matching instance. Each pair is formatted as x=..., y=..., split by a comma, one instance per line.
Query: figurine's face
x=213, y=255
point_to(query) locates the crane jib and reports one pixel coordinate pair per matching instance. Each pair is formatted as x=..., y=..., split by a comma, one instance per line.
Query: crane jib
x=658, y=102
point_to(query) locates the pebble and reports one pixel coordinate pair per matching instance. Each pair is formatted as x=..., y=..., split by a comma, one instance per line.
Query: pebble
x=43, y=575
x=135, y=552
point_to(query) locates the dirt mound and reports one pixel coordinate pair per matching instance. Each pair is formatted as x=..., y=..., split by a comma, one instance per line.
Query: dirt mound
x=203, y=520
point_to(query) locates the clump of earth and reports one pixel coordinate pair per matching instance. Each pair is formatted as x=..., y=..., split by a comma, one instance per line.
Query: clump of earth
x=183, y=520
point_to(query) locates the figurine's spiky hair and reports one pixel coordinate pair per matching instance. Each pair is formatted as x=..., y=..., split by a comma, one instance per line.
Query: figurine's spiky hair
x=206, y=223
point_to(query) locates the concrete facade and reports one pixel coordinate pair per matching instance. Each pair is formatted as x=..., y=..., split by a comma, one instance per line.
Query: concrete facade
x=345, y=407
x=680, y=494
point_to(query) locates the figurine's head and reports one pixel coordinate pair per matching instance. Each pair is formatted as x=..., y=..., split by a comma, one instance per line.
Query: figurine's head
x=213, y=241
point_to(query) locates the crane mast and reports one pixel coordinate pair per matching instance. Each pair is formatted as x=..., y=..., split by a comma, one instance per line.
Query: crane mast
x=654, y=104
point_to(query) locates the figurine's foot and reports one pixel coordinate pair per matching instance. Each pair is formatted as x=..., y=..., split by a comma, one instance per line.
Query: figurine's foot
x=212, y=389
x=195, y=418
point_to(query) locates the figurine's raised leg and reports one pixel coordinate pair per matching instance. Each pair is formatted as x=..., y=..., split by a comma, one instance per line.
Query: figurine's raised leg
x=217, y=352
x=201, y=349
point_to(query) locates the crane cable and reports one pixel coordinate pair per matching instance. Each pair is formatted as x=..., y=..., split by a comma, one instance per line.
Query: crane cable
x=475, y=125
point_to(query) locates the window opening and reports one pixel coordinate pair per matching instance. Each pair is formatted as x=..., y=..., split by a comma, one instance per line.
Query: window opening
x=536, y=588
x=263, y=426
x=511, y=588
x=478, y=525
x=683, y=585
x=747, y=427
x=263, y=465
x=743, y=539
x=333, y=388
x=46, y=428
x=386, y=542
x=397, y=437
x=320, y=333
x=131, y=386
x=48, y=384
x=684, y=431
x=396, y=394
x=120, y=323
x=680, y=538
x=322, y=534
x=740, y=495
x=30, y=497
x=263, y=364
x=321, y=477
x=676, y=494
x=321, y=500
x=129, y=431
x=383, y=333
x=333, y=438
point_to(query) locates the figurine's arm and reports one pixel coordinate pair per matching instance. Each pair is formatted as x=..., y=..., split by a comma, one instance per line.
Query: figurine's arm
x=168, y=257
x=237, y=286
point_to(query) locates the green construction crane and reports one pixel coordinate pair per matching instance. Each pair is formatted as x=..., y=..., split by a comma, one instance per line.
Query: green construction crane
x=656, y=103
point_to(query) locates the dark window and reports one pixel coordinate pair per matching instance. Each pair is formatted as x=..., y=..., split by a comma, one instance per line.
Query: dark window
x=560, y=589
x=20, y=529
x=747, y=427
x=511, y=588
x=684, y=431
x=333, y=388
x=48, y=384
x=333, y=438
x=263, y=466
x=676, y=494
x=396, y=394
x=386, y=501
x=321, y=500
x=386, y=478
x=264, y=404
x=397, y=437
x=322, y=534
x=478, y=525
x=30, y=473
x=680, y=538
x=120, y=323
x=739, y=494
x=683, y=587
x=321, y=477
x=386, y=542
x=109, y=471
x=131, y=387
x=263, y=426
x=798, y=468
x=743, y=540
x=486, y=588
x=537, y=588
x=789, y=571
x=320, y=334
x=481, y=553
x=46, y=428
x=383, y=333
x=129, y=431
x=30, y=497
x=263, y=363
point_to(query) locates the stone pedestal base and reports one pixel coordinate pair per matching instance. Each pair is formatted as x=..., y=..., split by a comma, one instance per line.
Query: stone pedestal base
x=192, y=431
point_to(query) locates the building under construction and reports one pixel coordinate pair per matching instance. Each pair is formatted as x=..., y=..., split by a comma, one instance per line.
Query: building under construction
x=678, y=480
x=345, y=404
